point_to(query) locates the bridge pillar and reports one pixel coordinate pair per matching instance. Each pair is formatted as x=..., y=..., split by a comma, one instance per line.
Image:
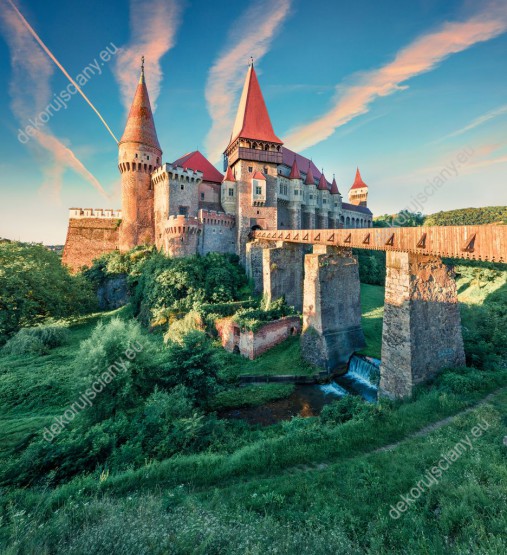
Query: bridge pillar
x=331, y=308
x=253, y=266
x=283, y=269
x=422, y=325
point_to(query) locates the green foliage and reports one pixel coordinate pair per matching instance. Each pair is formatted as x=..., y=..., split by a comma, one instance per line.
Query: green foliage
x=404, y=218
x=469, y=216
x=346, y=409
x=117, y=263
x=38, y=340
x=192, y=364
x=35, y=286
x=254, y=318
x=372, y=266
x=250, y=396
x=170, y=286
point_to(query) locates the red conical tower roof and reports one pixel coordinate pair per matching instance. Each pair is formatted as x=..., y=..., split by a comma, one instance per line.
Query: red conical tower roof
x=334, y=187
x=358, y=182
x=310, y=180
x=252, y=120
x=229, y=176
x=140, y=127
x=294, y=172
x=322, y=183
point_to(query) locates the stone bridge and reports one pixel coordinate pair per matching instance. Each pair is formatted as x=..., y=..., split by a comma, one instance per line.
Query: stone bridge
x=317, y=273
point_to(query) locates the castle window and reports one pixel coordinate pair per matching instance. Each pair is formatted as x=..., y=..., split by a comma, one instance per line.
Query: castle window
x=265, y=169
x=183, y=210
x=147, y=157
x=311, y=197
x=202, y=196
x=250, y=169
x=136, y=154
x=182, y=186
x=258, y=190
x=231, y=192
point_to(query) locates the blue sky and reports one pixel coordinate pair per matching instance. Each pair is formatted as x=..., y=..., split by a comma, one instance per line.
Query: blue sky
x=400, y=89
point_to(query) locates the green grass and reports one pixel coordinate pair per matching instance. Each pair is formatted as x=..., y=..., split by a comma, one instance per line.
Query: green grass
x=372, y=308
x=251, y=396
x=283, y=359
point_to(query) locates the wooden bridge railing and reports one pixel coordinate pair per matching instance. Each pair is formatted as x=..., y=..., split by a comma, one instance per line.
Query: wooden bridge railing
x=474, y=242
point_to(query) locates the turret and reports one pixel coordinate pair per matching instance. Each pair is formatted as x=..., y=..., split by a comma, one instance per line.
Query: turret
x=324, y=202
x=295, y=196
x=139, y=154
x=310, y=194
x=229, y=192
x=358, y=193
x=336, y=205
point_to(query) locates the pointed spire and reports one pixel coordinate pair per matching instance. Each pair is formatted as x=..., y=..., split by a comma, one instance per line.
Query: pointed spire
x=358, y=181
x=310, y=180
x=140, y=127
x=252, y=119
x=334, y=187
x=294, y=172
x=229, y=176
x=322, y=182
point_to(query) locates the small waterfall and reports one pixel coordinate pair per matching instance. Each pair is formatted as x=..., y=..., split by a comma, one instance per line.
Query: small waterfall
x=333, y=389
x=365, y=370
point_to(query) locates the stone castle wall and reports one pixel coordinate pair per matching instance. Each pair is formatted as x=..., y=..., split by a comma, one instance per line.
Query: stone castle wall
x=89, y=238
x=218, y=232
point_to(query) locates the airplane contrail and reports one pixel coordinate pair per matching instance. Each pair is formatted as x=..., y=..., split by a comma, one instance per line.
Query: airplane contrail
x=59, y=65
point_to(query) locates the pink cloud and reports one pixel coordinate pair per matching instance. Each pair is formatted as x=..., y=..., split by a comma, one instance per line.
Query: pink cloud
x=153, y=24
x=30, y=91
x=421, y=56
x=227, y=74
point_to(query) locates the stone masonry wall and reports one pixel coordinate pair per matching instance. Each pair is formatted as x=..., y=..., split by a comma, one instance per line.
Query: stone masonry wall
x=283, y=271
x=332, y=309
x=87, y=239
x=422, y=324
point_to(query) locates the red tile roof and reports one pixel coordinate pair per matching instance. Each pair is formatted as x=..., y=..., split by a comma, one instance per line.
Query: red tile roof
x=334, y=187
x=294, y=172
x=310, y=180
x=323, y=186
x=252, y=120
x=355, y=208
x=140, y=127
x=259, y=175
x=196, y=161
x=358, y=182
x=229, y=176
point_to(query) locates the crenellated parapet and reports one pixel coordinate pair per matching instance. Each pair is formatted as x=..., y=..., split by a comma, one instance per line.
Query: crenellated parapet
x=214, y=218
x=168, y=172
x=81, y=213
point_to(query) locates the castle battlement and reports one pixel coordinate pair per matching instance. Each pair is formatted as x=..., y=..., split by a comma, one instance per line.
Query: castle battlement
x=81, y=213
x=176, y=173
x=213, y=217
x=178, y=225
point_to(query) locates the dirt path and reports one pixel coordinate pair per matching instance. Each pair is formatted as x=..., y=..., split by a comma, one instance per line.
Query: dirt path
x=420, y=433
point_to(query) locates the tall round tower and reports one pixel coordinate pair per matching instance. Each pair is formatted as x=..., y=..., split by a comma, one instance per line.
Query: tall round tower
x=139, y=155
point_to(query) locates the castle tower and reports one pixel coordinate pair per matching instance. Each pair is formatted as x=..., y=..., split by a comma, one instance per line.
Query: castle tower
x=253, y=154
x=295, y=196
x=229, y=192
x=310, y=200
x=336, y=205
x=324, y=204
x=139, y=154
x=358, y=193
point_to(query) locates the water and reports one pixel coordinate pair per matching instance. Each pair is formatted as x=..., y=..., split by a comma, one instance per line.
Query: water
x=333, y=389
x=362, y=377
x=308, y=400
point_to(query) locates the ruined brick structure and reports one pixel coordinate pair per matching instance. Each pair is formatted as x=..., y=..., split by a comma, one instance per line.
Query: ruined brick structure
x=189, y=207
x=252, y=344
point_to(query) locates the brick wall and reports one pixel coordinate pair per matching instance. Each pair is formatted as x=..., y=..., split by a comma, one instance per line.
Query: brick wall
x=89, y=238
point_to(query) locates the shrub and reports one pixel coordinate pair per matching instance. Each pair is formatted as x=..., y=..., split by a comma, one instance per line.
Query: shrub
x=345, y=409
x=38, y=340
x=35, y=286
x=253, y=318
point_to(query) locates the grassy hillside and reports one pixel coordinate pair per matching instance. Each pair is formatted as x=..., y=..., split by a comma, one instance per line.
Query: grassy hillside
x=150, y=469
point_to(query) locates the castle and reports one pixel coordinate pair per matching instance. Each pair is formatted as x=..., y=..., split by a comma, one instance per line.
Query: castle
x=189, y=207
